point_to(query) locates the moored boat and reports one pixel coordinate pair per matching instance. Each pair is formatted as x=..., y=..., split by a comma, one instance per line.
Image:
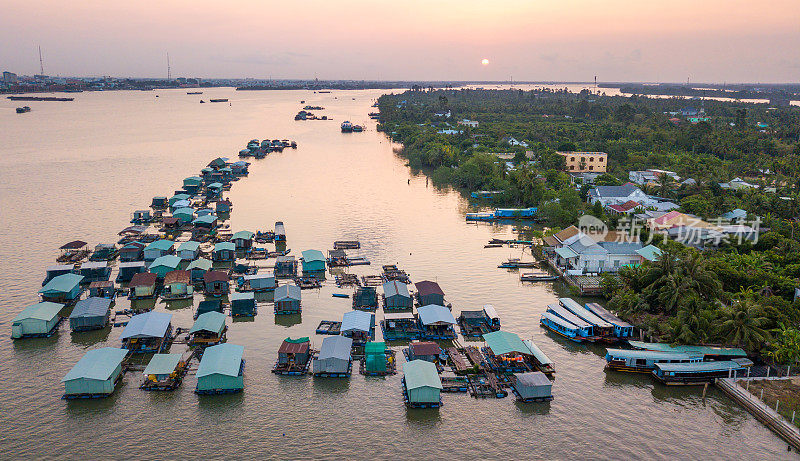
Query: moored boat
x=23, y=109
x=638, y=361
x=347, y=127
x=686, y=374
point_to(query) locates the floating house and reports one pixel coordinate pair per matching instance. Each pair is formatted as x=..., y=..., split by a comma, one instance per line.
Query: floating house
x=214, y=190
x=243, y=304
x=159, y=203
x=54, y=271
x=177, y=285
x=239, y=168
x=189, y=251
x=192, y=184
x=208, y=305
x=204, y=212
x=103, y=289
x=287, y=299
x=158, y=249
x=142, y=285
x=396, y=296
x=90, y=314
x=377, y=362
x=285, y=266
x=223, y=206
x=224, y=252
x=640, y=361
x=94, y=270
x=436, y=322
x=216, y=283
x=293, y=356
x=209, y=329
x=622, y=329
x=62, y=289
x=206, y=222
x=358, y=325
x=543, y=362
x=36, y=320
x=258, y=283
x=477, y=323
x=506, y=352
x=180, y=204
x=424, y=350
x=421, y=385
x=133, y=251
x=96, y=374
x=164, y=372
x=164, y=264
x=313, y=261
x=365, y=298
x=184, y=214
x=532, y=387
x=104, y=252
x=178, y=198
x=334, y=359
x=148, y=332
x=198, y=269
x=429, y=293
x=280, y=232
x=399, y=326
x=221, y=370
x=243, y=240
x=686, y=374
x=141, y=217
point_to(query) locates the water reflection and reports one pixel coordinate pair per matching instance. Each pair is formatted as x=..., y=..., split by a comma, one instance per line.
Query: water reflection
x=423, y=418
x=178, y=304
x=332, y=385
x=532, y=408
x=90, y=337
x=288, y=320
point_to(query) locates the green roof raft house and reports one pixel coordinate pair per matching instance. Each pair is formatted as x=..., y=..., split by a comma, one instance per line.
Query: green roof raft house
x=95, y=375
x=243, y=240
x=313, y=262
x=421, y=385
x=378, y=360
x=506, y=353
x=224, y=252
x=221, y=370
x=208, y=330
x=37, y=320
x=243, y=304
x=65, y=289
x=164, y=372
x=294, y=357
x=365, y=298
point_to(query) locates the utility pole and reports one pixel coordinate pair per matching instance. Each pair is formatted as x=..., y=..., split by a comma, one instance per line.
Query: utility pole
x=41, y=63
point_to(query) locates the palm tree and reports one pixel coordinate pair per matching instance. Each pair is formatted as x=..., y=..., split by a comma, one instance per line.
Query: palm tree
x=743, y=325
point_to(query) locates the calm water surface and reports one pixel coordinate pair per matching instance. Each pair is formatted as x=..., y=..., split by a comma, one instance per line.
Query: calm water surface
x=76, y=171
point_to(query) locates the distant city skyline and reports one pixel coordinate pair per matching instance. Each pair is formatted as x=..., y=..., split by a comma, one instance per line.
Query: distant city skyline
x=574, y=40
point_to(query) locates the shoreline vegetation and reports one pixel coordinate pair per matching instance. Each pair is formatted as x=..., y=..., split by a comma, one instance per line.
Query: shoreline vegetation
x=738, y=294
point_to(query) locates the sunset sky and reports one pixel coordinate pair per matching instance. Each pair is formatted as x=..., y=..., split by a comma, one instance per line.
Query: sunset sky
x=567, y=40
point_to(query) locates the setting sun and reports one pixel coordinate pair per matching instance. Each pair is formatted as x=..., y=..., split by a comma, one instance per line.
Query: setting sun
x=485, y=62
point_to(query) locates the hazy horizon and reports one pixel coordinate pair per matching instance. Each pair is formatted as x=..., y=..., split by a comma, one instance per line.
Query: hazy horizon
x=575, y=40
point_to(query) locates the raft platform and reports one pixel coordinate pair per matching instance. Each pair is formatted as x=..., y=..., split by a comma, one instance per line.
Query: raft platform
x=329, y=327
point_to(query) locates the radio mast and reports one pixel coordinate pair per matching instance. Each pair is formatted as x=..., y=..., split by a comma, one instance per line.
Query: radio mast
x=41, y=63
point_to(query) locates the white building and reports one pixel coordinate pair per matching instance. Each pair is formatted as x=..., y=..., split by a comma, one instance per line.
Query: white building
x=469, y=123
x=616, y=195
x=650, y=176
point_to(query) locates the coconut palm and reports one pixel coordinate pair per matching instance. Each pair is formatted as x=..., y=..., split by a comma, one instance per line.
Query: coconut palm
x=743, y=325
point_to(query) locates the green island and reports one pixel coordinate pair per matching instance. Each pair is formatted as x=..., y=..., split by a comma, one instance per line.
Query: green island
x=707, y=159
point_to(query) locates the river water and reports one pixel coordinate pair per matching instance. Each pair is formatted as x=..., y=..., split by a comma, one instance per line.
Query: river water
x=77, y=170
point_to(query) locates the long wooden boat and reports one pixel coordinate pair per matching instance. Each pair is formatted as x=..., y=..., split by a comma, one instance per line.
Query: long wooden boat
x=638, y=361
x=687, y=374
x=561, y=327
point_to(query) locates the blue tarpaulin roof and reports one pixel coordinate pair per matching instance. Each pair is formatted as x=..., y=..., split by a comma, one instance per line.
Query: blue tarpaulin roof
x=148, y=325
x=223, y=359
x=91, y=307
x=433, y=314
x=97, y=364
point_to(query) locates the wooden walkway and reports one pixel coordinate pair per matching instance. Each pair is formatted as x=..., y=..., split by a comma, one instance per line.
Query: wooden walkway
x=786, y=430
x=459, y=361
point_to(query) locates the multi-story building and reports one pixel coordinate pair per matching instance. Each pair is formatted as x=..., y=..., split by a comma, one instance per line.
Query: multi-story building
x=582, y=162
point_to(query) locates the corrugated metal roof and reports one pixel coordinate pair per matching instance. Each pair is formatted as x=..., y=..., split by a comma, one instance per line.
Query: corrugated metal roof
x=426, y=287
x=205, y=219
x=357, y=321
x=642, y=354
x=215, y=276
x=215, y=185
x=60, y=267
x=163, y=245
x=213, y=322
x=170, y=261
x=313, y=255
x=223, y=359
x=143, y=279
x=433, y=314
x=694, y=350
x=650, y=252
x=722, y=365
x=63, y=283
x=566, y=252
x=200, y=263
x=91, y=307
x=176, y=277
x=503, y=342
x=424, y=348
x=148, y=325
x=393, y=288
x=287, y=292
x=606, y=315
x=97, y=364
x=533, y=379
x=584, y=313
x=183, y=211
x=243, y=234
x=94, y=265
x=540, y=356
x=162, y=364
x=490, y=312
x=242, y=296
x=335, y=347
x=398, y=316
x=564, y=313
x=420, y=373
x=221, y=246
x=295, y=346
x=42, y=311
x=131, y=264
x=190, y=245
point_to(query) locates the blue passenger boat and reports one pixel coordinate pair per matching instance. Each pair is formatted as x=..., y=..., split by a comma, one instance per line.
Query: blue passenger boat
x=639, y=361
x=561, y=327
x=682, y=374
x=585, y=330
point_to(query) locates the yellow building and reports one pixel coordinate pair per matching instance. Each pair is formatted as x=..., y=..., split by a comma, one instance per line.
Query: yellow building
x=584, y=162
